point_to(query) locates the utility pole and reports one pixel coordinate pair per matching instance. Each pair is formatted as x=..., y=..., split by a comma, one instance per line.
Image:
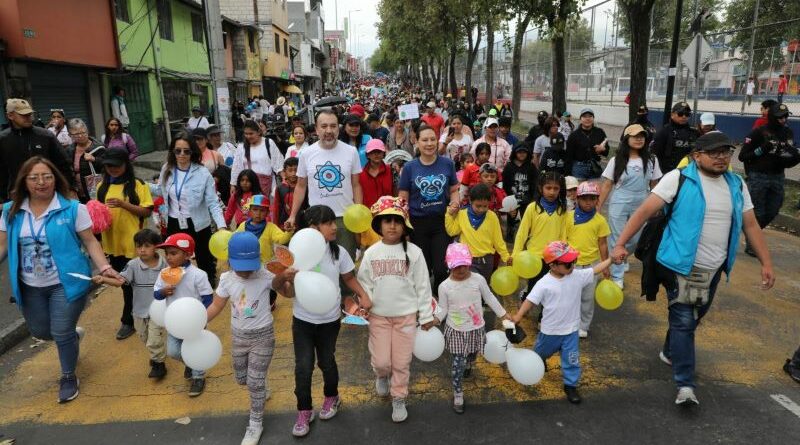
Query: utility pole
x=752, y=54
x=673, y=60
x=216, y=59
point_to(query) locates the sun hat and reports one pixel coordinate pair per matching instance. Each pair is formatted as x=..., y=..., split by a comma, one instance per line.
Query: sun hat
x=572, y=182
x=389, y=205
x=457, y=254
x=559, y=251
x=588, y=188
x=397, y=155
x=181, y=241
x=244, y=252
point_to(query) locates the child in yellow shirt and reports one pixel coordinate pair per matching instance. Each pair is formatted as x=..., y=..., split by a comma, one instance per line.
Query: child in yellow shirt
x=587, y=232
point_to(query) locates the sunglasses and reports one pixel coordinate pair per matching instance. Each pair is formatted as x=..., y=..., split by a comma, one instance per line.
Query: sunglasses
x=684, y=113
x=186, y=151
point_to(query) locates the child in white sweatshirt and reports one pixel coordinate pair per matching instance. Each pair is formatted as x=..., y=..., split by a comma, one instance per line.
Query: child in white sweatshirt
x=460, y=297
x=394, y=275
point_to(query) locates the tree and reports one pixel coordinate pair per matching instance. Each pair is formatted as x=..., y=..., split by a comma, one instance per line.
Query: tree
x=516, y=61
x=739, y=16
x=637, y=18
x=663, y=20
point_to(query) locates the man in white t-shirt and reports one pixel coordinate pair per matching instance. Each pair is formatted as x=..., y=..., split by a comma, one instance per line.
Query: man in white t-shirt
x=328, y=170
x=710, y=206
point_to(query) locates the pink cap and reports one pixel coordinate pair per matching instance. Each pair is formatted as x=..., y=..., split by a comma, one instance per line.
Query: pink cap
x=588, y=188
x=375, y=144
x=457, y=254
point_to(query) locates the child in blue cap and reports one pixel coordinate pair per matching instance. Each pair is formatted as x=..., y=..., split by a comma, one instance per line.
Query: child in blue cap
x=247, y=286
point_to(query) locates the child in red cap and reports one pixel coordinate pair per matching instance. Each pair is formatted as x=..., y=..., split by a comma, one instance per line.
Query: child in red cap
x=559, y=293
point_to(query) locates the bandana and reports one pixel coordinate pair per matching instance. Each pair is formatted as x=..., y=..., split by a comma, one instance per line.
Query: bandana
x=582, y=217
x=255, y=229
x=548, y=206
x=475, y=220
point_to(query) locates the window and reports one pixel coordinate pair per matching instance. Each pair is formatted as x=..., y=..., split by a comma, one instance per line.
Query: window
x=251, y=41
x=285, y=48
x=277, y=43
x=197, y=28
x=224, y=40
x=164, y=12
x=121, y=10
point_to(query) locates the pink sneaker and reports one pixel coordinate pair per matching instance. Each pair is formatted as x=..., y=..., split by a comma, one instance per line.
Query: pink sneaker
x=329, y=407
x=303, y=423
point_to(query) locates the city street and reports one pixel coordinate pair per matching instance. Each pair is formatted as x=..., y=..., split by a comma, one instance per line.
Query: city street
x=628, y=394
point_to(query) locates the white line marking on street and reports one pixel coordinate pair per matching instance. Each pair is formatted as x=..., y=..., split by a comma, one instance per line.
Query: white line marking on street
x=787, y=403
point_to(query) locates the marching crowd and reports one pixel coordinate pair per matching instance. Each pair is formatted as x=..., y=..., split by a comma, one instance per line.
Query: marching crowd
x=448, y=192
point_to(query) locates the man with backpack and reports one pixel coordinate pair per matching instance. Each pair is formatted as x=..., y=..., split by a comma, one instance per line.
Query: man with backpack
x=709, y=208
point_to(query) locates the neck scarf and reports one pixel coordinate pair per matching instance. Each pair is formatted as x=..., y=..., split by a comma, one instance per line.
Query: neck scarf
x=475, y=220
x=548, y=206
x=117, y=180
x=255, y=229
x=582, y=217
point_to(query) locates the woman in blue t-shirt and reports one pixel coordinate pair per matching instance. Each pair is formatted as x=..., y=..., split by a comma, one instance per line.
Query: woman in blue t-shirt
x=430, y=185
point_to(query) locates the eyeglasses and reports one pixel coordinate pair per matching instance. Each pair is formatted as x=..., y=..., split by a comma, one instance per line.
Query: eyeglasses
x=719, y=154
x=178, y=151
x=684, y=113
x=44, y=178
x=80, y=133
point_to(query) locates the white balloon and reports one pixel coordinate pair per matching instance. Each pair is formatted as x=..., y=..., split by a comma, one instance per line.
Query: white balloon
x=157, y=310
x=308, y=247
x=525, y=366
x=202, y=352
x=428, y=345
x=185, y=318
x=315, y=292
x=496, y=345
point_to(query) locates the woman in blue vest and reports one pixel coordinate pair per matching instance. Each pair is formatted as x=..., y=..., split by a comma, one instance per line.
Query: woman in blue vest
x=43, y=232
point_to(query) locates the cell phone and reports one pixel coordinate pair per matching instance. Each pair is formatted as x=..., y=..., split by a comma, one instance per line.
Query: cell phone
x=451, y=131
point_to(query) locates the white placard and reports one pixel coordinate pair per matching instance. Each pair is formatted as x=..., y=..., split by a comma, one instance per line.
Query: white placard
x=223, y=99
x=409, y=111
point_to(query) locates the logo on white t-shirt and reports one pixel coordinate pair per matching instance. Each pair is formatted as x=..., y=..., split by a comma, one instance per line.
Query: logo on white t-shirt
x=329, y=176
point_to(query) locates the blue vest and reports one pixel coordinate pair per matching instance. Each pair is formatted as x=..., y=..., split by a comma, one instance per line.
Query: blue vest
x=679, y=245
x=65, y=246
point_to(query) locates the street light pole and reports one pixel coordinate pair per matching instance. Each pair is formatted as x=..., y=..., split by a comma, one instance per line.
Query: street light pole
x=350, y=27
x=750, y=61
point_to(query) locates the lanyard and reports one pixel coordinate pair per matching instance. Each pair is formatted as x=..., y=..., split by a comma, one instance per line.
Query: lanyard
x=35, y=235
x=178, y=190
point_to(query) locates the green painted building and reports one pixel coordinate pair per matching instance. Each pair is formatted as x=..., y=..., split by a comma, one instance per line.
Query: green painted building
x=165, y=67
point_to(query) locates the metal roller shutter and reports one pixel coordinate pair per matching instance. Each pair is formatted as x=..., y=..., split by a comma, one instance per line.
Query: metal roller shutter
x=58, y=86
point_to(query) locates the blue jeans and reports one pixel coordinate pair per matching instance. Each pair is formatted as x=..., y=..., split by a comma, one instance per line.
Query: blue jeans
x=618, y=215
x=547, y=345
x=582, y=169
x=679, y=342
x=174, y=351
x=51, y=317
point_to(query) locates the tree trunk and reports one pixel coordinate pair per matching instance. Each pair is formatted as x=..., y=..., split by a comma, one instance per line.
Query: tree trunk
x=425, y=81
x=451, y=69
x=638, y=15
x=489, y=96
x=559, y=89
x=516, y=63
x=472, y=53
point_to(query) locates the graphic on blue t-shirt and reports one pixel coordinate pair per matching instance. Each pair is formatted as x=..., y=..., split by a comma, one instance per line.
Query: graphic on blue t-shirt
x=329, y=176
x=431, y=187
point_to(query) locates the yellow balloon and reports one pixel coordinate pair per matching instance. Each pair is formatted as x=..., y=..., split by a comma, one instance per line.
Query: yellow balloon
x=504, y=281
x=608, y=295
x=218, y=244
x=526, y=264
x=357, y=218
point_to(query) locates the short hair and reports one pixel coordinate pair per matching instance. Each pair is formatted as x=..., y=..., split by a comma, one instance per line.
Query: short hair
x=373, y=118
x=117, y=89
x=291, y=162
x=330, y=113
x=480, y=192
x=483, y=146
x=146, y=236
x=76, y=123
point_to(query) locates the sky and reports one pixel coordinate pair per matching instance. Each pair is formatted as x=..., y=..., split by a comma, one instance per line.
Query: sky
x=365, y=31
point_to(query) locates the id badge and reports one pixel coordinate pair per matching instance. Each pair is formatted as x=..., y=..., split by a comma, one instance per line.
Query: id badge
x=182, y=223
x=38, y=267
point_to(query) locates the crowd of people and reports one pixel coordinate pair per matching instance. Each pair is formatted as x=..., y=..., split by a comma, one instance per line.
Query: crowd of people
x=449, y=192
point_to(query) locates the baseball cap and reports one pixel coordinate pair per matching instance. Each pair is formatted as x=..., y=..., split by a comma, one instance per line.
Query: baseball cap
x=707, y=119
x=504, y=121
x=244, y=252
x=375, y=144
x=195, y=109
x=572, y=182
x=457, y=254
x=115, y=157
x=181, y=241
x=489, y=122
x=358, y=110
x=19, y=106
x=559, y=251
x=779, y=110
x=566, y=114
x=493, y=112
x=258, y=200
x=633, y=130
x=200, y=132
x=643, y=109
x=712, y=141
x=213, y=129
x=543, y=114
x=588, y=188
x=352, y=119
x=431, y=104
x=587, y=111
x=681, y=106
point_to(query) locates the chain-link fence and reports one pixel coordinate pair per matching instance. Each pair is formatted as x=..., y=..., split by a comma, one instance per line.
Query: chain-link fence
x=599, y=62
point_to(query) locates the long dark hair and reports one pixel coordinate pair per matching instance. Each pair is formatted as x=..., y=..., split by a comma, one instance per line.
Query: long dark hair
x=551, y=176
x=172, y=161
x=20, y=191
x=623, y=156
x=252, y=125
x=316, y=215
x=128, y=180
x=255, y=186
x=107, y=136
x=344, y=137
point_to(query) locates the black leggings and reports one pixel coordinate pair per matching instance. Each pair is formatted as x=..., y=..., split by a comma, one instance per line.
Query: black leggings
x=205, y=260
x=430, y=235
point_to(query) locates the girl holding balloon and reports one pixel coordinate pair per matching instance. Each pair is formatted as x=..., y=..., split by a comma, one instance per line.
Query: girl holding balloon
x=394, y=274
x=314, y=334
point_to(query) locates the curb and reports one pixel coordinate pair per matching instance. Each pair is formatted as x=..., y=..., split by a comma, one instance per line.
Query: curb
x=12, y=334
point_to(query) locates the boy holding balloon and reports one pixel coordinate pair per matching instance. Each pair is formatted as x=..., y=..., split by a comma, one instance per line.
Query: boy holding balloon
x=141, y=274
x=182, y=279
x=559, y=293
x=252, y=333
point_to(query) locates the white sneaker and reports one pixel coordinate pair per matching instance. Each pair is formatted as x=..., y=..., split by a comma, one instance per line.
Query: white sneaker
x=81, y=333
x=620, y=283
x=583, y=334
x=686, y=396
x=252, y=435
x=664, y=358
x=399, y=412
x=382, y=386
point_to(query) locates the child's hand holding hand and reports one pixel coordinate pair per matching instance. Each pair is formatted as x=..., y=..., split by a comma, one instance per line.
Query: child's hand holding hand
x=168, y=291
x=97, y=279
x=452, y=209
x=516, y=318
x=430, y=324
x=606, y=274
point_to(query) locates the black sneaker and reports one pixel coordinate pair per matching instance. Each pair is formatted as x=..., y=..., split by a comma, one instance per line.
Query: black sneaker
x=125, y=331
x=68, y=388
x=793, y=371
x=198, y=385
x=187, y=373
x=572, y=394
x=468, y=371
x=157, y=370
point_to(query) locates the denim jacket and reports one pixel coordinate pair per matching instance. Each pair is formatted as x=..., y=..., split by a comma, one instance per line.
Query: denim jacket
x=202, y=195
